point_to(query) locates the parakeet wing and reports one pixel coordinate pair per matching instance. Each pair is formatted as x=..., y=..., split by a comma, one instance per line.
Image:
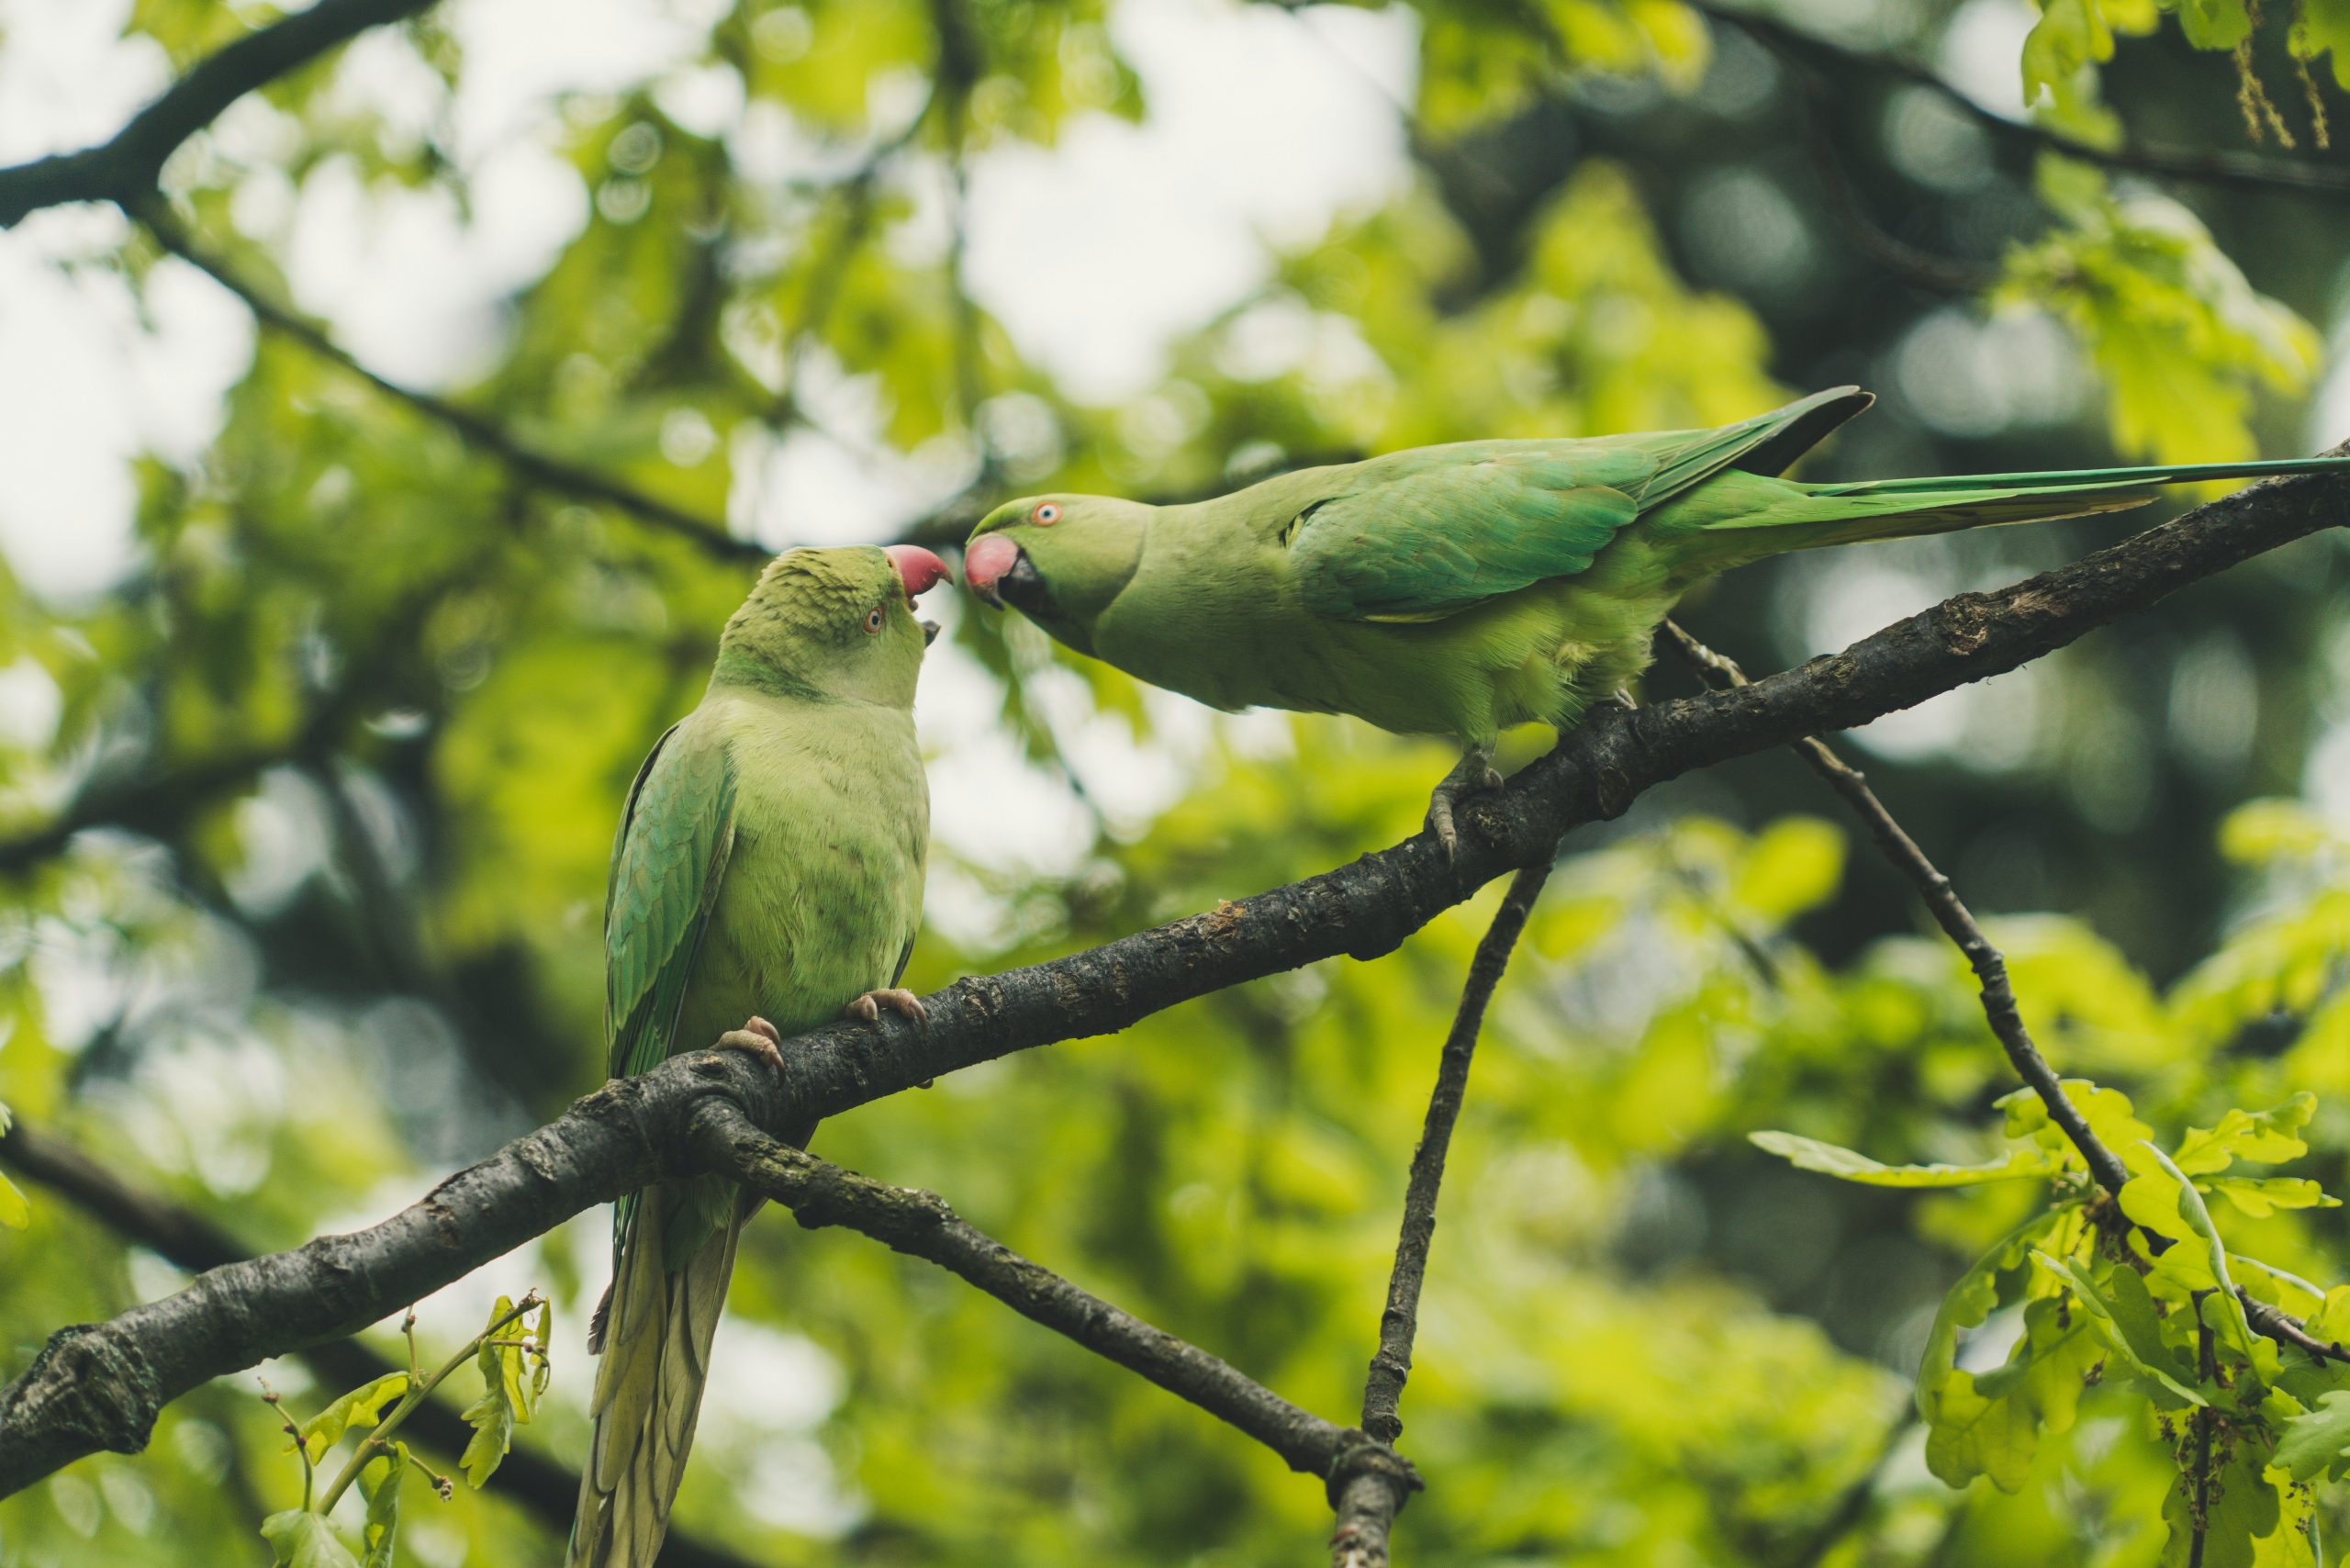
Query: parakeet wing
x=668, y=863
x=1448, y=528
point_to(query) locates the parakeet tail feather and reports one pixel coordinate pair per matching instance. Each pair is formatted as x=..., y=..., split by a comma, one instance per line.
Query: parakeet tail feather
x=656, y=1329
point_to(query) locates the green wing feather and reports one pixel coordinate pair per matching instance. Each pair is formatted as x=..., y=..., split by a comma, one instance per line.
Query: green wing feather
x=677, y=833
x=673, y=1245
x=1427, y=535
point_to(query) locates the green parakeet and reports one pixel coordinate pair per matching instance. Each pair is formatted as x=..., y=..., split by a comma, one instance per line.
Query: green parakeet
x=1460, y=589
x=769, y=867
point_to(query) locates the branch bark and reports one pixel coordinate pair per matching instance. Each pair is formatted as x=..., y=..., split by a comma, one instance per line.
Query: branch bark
x=920, y=1224
x=181, y=1236
x=1371, y=1497
x=100, y=1385
x=124, y=170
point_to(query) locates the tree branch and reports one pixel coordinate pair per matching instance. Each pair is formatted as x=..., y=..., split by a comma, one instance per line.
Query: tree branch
x=181, y=1236
x=921, y=1225
x=546, y=472
x=1809, y=52
x=100, y=1385
x=125, y=169
x=1991, y=967
x=1368, y=1504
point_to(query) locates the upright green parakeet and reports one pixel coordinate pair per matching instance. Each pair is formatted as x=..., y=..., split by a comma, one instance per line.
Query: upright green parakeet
x=1457, y=591
x=766, y=879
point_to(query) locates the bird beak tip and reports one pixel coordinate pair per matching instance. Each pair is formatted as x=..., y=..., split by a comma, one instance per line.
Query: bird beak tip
x=929, y=633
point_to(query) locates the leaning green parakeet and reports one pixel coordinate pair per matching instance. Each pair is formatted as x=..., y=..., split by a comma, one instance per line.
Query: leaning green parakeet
x=769, y=867
x=1461, y=589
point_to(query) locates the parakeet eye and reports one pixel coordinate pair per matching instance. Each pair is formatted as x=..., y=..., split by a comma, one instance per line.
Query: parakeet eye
x=1046, y=514
x=873, y=619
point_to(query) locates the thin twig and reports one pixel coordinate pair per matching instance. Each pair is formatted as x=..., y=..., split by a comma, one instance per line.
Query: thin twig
x=547, y=472
x=2198, y=1507
x=378, y=1440
x=1950, y=913
x=921, y=1225
x=1920, y=268
x=1384, y=1388
x=1990, y=972
x=1367, y=1505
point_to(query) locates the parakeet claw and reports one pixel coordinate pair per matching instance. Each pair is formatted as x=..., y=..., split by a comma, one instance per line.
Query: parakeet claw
x=759, y=1038
x=1473, y=775
x=903, y=1002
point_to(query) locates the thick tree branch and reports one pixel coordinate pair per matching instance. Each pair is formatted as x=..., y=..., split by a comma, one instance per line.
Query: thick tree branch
x=99, y=1386
x=920, y=1224
x=182, y=1237
x=125, y=170
x=1808, y=53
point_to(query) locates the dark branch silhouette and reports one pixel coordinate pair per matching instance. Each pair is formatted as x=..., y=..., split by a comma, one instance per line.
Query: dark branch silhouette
x=100, y=1385
x=540, y=468
x=1813, y=55
x=124, y=170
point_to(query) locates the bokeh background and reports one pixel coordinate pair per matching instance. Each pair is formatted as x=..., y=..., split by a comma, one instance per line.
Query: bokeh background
x=315, y=710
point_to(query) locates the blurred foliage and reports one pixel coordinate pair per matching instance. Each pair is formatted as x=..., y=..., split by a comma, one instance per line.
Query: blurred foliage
x=353, y=730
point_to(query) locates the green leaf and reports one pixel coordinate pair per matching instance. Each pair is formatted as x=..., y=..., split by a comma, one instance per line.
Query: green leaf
x=510, y=1395
x=1990, y=1425
x=15, y=1212
x=2181, y=339
x=2108, y=1112
x=2125, y=1314
x=379, y=1482
x=2331, y=1322
x=302, y=1540
x=2261, y=1196
x=2318, y=1442
x=355, y=1411
x=2165, y=1202
x=2069, y=35
x=1790, y=867
x=2214, y=24
x=2241, y=1510
x=1810, y=1154
x=2266, y=1137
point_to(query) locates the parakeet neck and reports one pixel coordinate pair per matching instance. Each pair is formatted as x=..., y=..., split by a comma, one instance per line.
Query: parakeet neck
x=753, y=669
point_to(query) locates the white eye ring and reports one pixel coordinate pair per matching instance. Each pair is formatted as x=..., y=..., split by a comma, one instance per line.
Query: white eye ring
x=873, y=618
x=1046, y=514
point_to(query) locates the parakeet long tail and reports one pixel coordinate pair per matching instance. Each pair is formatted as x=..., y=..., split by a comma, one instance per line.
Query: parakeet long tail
x=1746, y=516
x=657, y=1324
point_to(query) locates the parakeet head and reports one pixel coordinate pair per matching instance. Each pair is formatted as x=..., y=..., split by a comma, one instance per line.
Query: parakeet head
x=1058, y=559
x=839, y=622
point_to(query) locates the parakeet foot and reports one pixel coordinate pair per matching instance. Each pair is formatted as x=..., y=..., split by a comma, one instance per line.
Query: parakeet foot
x=759, y=1038
x=1473, y=775
x=903, y=1002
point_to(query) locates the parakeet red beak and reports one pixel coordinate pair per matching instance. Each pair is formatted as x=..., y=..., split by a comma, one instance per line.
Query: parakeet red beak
x=917, y=568
x=995, y=563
